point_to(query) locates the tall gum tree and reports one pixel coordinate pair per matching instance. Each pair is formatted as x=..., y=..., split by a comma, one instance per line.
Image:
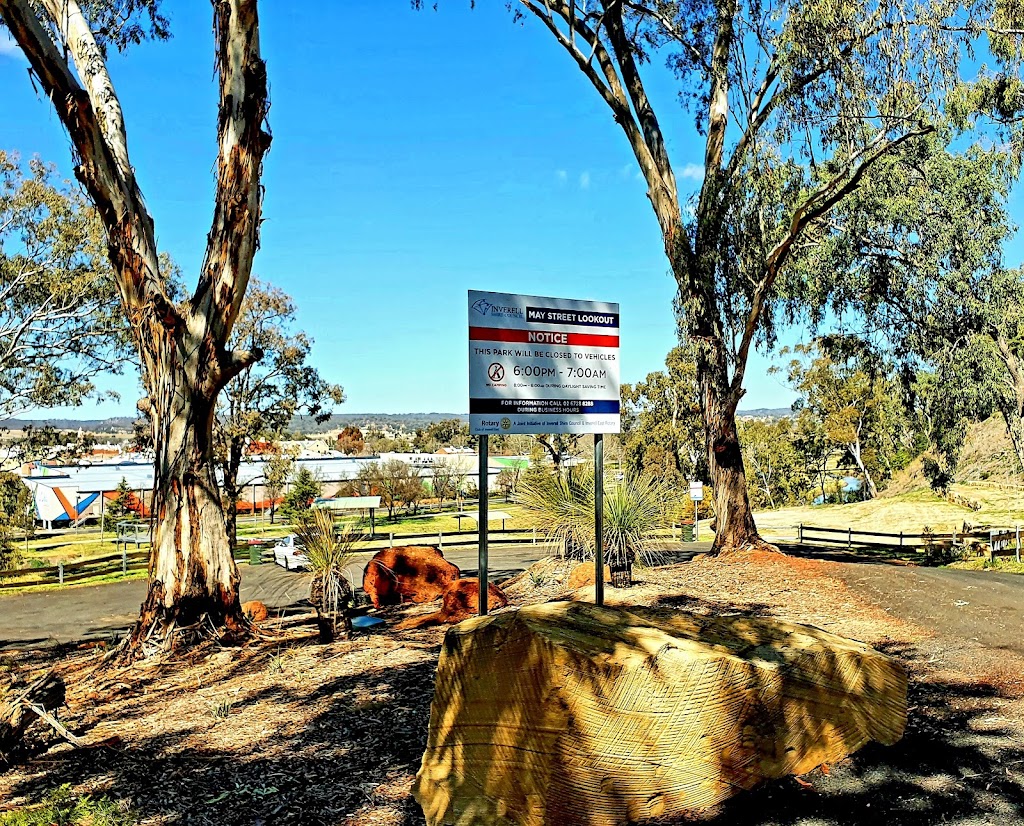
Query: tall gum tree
x=182, y=347
x=795, y=102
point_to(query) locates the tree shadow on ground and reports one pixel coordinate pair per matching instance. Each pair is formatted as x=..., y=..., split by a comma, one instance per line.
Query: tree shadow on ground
x=961, y=760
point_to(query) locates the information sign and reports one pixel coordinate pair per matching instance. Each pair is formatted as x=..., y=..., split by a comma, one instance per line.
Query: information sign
x=542, y=365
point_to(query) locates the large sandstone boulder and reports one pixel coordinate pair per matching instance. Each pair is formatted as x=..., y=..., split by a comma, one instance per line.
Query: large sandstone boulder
x=461, y=599
x=408, y=574
x=567, y=713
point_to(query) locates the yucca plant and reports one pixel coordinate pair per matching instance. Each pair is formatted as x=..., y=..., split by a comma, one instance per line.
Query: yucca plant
x=329, y=551
x=634, y=508
x=562, y=508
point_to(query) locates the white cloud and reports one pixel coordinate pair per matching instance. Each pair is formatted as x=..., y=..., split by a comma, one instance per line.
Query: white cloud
x=562, y=176
x=584, y=180
x=693, y=171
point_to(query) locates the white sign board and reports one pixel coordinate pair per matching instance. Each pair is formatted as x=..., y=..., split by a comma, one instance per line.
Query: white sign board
x=542, y=365
x=697, y=491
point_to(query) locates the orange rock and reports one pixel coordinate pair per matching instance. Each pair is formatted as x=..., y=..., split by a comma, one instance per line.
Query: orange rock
x=255, y=610
x=408, y=574
x=462, y=599
x=583, y=574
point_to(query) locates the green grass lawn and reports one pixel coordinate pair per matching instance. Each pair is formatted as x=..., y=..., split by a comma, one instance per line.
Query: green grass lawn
x=1001, y=564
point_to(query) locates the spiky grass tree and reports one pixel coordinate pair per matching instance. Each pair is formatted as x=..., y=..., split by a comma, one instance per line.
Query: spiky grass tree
x=330, y=550
x=635, y=508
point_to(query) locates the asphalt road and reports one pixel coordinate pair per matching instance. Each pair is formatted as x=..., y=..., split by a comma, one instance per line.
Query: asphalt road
x=979, y=609
x=105, y=611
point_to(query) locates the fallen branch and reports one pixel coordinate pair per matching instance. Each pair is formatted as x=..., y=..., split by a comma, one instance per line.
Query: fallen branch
x=45, y=692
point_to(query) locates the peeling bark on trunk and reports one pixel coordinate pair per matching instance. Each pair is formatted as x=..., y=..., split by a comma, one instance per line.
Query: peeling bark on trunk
x=192, y=573
x=734, y=522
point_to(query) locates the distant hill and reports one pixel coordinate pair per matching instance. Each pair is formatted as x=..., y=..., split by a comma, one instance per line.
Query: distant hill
x=765, y=413
x=304, y=425
x=115, y=424
x=987, y=457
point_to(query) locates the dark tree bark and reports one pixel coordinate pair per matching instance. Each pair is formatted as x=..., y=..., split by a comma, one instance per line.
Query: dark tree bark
x=183, y=349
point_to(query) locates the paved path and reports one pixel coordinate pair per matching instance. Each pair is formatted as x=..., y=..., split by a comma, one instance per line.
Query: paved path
x=977, y=608
x=105, y=611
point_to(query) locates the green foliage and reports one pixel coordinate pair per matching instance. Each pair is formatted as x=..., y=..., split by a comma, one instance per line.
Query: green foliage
x=844, y=386
x=58, y=321
x=304, y=489
x=63, y=807
x=777, y=469
x=445, y=433
x=124, y=505
x=261, y=401
x=17, y=516
x=330, y=550
x=662, y=430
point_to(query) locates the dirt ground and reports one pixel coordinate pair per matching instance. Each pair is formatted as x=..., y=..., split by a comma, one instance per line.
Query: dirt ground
x=287, y=731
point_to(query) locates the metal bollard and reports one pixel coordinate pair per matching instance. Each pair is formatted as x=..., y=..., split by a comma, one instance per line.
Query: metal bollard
x=60, y=572
x=124, y=560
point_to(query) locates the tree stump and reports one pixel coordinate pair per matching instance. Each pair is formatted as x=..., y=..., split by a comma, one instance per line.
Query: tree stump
x=567, y=713
x=46, y=692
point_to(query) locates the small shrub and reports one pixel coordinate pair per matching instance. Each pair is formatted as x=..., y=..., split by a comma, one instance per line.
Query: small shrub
x=538, y=579
x=221, y=709
x=64, y=808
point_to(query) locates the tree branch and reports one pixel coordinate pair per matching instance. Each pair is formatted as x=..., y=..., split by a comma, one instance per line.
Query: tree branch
x=234, y=235
x=814, y=208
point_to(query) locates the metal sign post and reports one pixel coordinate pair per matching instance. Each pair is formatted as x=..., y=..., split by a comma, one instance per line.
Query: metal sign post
x=482, y=524
x=542, y=365
x=599, y=518
x=697, y=495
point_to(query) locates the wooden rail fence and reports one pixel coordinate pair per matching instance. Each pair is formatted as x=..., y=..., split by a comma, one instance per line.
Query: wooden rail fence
x=993, y=542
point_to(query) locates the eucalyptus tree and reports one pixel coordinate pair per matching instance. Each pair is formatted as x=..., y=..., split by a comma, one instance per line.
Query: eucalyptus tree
x=857, y=403
x=662, y=431
x=183, y=347
x=58, y=323
x=795, y=102
x=921, y=253
x=261, y=400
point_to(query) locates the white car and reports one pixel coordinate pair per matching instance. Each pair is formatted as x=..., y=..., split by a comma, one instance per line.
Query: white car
x=289, y=555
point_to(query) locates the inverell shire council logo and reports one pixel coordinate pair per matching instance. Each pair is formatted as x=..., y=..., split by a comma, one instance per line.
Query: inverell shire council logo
x=506, y=423
x=482, y=306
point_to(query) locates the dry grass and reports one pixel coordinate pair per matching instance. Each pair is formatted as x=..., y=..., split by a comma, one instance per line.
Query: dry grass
x=286, y=731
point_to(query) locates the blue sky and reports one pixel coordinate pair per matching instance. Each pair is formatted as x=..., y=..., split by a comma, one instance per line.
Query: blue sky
x=416, y=155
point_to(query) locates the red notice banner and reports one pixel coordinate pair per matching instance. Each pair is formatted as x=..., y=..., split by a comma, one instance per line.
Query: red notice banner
x=542, y=337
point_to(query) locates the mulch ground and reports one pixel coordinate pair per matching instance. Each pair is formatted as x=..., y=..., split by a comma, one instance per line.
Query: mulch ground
x=287, y=731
